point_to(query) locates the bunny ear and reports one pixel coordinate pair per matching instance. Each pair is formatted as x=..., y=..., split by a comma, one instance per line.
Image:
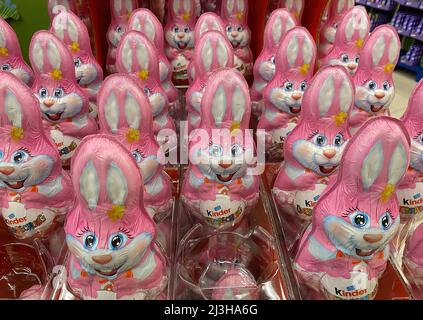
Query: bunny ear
x=230, y=5
x=241, y=6
x=116, y=185
x=292, y=50
x=207, y=55
x=176, y=7
x=111, y=112
x=136, y=24
x=372, y=165
x=3, y=41
x=378, y=50
x=126, y=59
x=143, y=58
x=346, y=96
x=341, y=6
x=37, y=56
x=13, y=109
x=73, y=30
x=364, y=26
x=326, y=95
x=277, y=29
x=132, y=111
x=222, y=54
x=128, y=6
x=117, y=6
x=239, y=102
x=89, y=186
x=350, y=27
x=394, y=49
x=187, y=5
x=53, y=55
x=149, y=29
x=308, y=53
x=219, y=105
x=398, y=164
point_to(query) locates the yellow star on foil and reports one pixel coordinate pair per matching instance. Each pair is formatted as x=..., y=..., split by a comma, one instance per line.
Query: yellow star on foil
x=17, y=134
x=340, y=118
x=297, y=14
x=4, y=52
x=186, y=16
x=235, y=126
x=143, y=74
x=305, y=68
x=389, y=68
x=56, y=74
x=387, y=192
x=116, y=212
x=133, y=135
x=75, y=47
x=359, y=43
x=239, y=15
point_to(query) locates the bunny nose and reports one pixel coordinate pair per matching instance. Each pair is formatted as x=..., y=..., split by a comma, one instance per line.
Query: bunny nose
x=380, y=95
x=7, y=171
x=329, y=153
x=372, y=238
x=352, y=66
x=225, y=165
x=102, y=259
x=48, y=103
x=234, y=34
x=297, y=96
x=181, y=35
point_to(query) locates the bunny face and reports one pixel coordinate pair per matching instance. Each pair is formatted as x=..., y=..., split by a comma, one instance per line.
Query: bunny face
x=288, y=97
x=87, y=69
x=108, y=230
x=121, y=11
x=180, y=36
x=374, y=84
x=115, y=33
x=238, y=35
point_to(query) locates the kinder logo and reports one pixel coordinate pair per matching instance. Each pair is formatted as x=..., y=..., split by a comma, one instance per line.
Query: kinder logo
x=351, y=292
x=417, y=200
x=13, y=221
x=312, y=204
x=218, y=212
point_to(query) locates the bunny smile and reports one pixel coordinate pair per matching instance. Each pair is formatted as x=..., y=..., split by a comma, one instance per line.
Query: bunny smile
x=225, y=178
x=327, y=169
x=295, y=109
x=375, y=108
x=109, y=273
x=182, y=44
x=54, y=116
x=15, y=185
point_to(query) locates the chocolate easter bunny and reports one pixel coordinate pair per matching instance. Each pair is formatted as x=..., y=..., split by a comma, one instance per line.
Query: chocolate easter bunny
x=373, y=80
x=121, y=11
x=11, y=59
x=179, y=34
x=35, y=191
x=219, y=187
x=235, y=17
x=294, y=7
x=346, y=249
x=295, y=60
x=144, y=21
x=109, y=234
x=63, y=103
x=138, y=57
x=212, y=52
x=314, y=148
x=352, y=32
x=125, y=113
x=74, y=34
x=56, y=6
x=279, y=23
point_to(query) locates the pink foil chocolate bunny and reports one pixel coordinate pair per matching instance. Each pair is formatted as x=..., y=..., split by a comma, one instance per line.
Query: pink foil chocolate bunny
x=295, y=60
x=235, y=17
x=144, y=21
x=121, y=11
x=346, y=249
x=212, y=52
x=179, y=34
x=109, y=234
x=74, y=34
x=57, y=6
x=295, y=7
x=138, y=57
x=125, y=112
x=11, y=59
x=63, y=103
x=220, y=186
x=314, y=148
x=328, y=29
x=35, y=191
x=352, y=32
x=373, y=80
x=279, y=23
x=207, y=22
x=410, y=190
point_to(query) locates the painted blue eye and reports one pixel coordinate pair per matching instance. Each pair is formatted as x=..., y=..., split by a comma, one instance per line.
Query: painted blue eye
x=59, y=92
x=236, y=150
x=320, y=140
x=20, y=157
x=186, y=30
x=77, y=62
x=90, y=241
x=229, y=28
x=147, y=91
x=6, y=67
x=386, y=221
x=345, y=58
x=420, y=139
x=386, y=86
x=137, y=156
x=240, y=29
x=338, y=140
x=272, y=59
x=357, y=59
x=120, y=29
x=176, y=29
x=372, y=85
x=1, y=154
x=216, y=150
x=303, y=86
x=117, y=241
x=288, y=86
x=360, y=219
x=43, y=92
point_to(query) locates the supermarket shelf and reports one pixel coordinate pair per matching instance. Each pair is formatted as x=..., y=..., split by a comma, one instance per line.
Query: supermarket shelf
x=418, y=70
x=411, y=4
x=374, y=5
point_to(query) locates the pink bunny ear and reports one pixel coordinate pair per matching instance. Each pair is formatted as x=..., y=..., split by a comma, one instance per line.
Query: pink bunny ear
x=279, y=23
x=207, y=22
x=235, y=11
x=137, y=55
x=329, y=95
x=124, y=109
x=57, y=6
x=295, y=7
x=354, y=28
x=20, y=114
x=213, y=52
x=69, y=28
x=413, y=116
x=144, y=21
x=50, y=57
x=9, y=43
x=122, y=9
x=338, y=8
x=381, y=50
x=297, y=52
x=226, y=101
x=183, y=10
